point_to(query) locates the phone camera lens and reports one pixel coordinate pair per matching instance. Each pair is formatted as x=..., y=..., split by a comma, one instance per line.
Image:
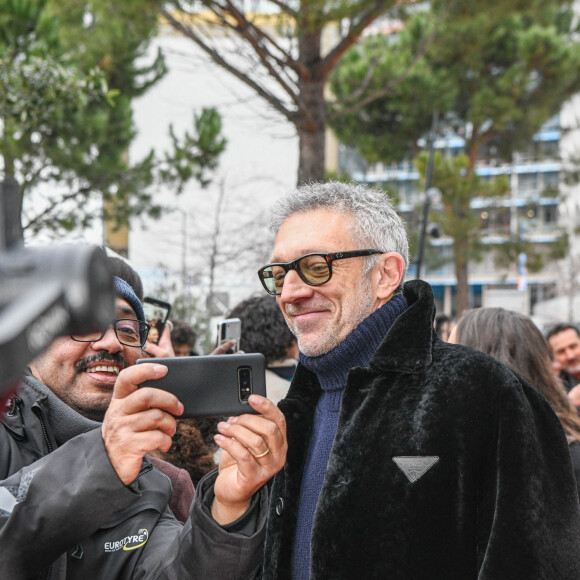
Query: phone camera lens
x=245, y=383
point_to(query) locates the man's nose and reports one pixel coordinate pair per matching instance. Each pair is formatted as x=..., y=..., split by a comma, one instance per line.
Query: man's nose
x=294, y=288
x=108, y=342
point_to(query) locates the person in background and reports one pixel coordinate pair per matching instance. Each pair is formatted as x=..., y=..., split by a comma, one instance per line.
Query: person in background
x=153, y=336
x=564, y=340
x=183, y=338
x=264, y=330
x=515, y=340
x=190, y=450
x=443, y=326
x=408, y=457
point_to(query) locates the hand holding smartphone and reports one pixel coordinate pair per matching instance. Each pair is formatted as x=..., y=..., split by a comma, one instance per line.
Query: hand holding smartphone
x=211, y=386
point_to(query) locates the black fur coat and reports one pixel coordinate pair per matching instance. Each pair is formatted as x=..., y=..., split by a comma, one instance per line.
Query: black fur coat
x=446, y=465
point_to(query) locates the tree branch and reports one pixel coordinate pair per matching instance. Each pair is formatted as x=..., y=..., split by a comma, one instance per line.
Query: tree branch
x=40, y=217
x=274, y=101
x=245, y=26
x=359, y=103
x=354, y=32
x=247, y=30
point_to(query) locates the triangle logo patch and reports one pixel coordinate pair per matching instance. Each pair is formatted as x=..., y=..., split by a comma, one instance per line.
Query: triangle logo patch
x=417, y=466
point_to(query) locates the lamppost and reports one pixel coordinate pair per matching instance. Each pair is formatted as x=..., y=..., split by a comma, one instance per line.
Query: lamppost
x=427, y=201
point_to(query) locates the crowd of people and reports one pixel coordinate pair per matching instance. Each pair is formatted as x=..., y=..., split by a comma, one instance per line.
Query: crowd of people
x=392, y=443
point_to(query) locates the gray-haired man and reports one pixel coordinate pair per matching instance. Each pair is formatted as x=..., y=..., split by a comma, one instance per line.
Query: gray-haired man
x=408, y=457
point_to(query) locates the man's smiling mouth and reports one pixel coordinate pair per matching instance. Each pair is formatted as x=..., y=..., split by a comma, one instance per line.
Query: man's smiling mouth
x=103, y=369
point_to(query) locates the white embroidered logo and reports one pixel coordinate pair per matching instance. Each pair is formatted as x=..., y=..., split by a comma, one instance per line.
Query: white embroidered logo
x=415, y=467
x=128, y=542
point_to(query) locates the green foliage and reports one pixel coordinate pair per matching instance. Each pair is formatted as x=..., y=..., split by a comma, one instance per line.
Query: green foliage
x=388, y=128
x=68, y=73
x=458, y=186
x=560, y=248
x=197, y=153
x=506, y=254
x=335, y=176
x=495, y=72
x=503, y=72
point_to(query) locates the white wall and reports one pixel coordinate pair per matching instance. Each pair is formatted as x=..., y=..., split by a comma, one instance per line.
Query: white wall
x=260, y=163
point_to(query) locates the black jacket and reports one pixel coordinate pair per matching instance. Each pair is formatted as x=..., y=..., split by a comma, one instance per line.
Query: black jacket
x=69, y=501
x=446, y=465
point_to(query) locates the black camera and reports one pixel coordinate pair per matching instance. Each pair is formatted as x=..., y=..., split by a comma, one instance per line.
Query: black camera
x=45, y=292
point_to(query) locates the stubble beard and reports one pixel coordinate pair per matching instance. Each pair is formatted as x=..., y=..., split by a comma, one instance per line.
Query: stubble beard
x=359, y=308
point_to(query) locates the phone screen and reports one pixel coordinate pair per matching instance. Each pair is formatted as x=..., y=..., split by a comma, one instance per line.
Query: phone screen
x=156, y=314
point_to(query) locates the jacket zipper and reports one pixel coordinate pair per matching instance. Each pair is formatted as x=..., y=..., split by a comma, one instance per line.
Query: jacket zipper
x=40, y=416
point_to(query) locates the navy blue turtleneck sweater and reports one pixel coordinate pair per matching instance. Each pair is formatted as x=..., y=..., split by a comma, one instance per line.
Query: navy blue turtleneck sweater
x=356, y=350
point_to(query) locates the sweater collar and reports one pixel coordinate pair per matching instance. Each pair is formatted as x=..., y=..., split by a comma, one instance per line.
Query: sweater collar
x=357, y=349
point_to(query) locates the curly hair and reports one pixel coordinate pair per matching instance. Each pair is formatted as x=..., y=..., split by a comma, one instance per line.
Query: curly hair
x=264, y=329
x=182, y=333
x=193, y=447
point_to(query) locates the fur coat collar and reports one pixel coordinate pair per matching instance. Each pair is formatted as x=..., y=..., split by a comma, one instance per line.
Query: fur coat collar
x=445, y=464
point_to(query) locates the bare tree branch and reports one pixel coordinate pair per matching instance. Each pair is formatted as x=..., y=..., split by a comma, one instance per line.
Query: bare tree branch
x=355, y=30
x=248, y=31
x=274, y=101
x=40, y=217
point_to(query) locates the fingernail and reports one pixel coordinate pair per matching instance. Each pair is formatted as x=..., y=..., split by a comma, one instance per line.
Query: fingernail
x=180, y=408
x=223, y=425
x=219, y=438
x=233, y=419
x=160, y=369
x=255, y=399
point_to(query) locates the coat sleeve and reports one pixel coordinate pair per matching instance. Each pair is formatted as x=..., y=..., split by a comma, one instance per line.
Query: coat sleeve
x=204, y=549
x=529, y=514
x=48, y=505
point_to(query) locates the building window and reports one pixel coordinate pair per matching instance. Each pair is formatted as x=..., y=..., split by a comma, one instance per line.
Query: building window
x=550, y=214
x=551, y=180
x=528, y=182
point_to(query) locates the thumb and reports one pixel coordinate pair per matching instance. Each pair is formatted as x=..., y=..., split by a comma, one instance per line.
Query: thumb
x=130, y=378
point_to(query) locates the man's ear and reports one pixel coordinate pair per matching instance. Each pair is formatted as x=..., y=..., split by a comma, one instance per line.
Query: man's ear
x=391, y=272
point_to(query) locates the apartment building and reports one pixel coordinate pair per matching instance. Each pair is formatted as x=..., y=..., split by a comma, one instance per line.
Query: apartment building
x=530, y=212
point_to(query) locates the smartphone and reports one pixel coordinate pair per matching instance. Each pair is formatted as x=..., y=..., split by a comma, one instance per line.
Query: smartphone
x=156, y=314
x=229, y=329
x=212, y=385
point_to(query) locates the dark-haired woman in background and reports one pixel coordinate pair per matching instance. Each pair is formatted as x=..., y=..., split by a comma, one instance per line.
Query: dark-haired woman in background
x=516, y=341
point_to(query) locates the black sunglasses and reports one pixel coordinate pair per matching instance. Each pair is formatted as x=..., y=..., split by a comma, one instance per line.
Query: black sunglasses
x=128, y=331
x=315, y=269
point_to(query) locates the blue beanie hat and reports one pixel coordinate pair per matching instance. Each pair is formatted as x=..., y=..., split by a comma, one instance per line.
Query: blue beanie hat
x=125, y=291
